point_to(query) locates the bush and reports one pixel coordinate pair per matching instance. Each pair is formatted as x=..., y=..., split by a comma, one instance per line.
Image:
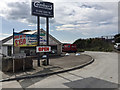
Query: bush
x=93, y=44
x=80, y=50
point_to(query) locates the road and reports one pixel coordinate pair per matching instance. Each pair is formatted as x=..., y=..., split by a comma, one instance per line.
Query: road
x=102, y=73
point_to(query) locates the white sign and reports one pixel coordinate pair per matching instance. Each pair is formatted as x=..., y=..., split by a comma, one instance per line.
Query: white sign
x=43, y=49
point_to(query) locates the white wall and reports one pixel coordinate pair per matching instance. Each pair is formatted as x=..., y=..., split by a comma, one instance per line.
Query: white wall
x=12, y=49
x=4, y=50
x=52, y=42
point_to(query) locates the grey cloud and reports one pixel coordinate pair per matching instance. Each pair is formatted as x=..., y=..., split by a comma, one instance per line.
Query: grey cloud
x=31, y=19
x=85, y=6
x=72, y=13
x=52, y=21
x=43, y=20
x=90, y=16
x=95, y=13
x=93, y=5
x=21, y=11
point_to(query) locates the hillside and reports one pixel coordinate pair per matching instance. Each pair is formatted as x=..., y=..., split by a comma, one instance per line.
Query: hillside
x=94, y=44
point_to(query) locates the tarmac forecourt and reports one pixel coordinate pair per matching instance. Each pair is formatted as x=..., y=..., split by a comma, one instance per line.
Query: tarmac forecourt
x=58, y=64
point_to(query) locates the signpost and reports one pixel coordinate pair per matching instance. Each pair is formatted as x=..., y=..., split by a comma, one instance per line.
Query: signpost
x=19, y=56
x=47, y=36
x=13, y=53
x=43, y=9
x=38, y=36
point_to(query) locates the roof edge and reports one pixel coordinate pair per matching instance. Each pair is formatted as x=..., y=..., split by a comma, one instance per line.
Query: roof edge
x=10, y=37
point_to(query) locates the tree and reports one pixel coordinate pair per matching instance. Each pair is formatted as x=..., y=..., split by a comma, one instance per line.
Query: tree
x=117, y=38
x=94, y=44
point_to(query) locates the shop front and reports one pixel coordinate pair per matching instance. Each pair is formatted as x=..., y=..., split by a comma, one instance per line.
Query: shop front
x=26, y=42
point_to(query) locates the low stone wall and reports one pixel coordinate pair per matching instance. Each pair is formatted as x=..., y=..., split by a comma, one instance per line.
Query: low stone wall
x=7, y=64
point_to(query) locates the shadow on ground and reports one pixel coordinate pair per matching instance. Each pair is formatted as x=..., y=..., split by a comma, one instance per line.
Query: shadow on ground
x=30, y=81
x=91, y=82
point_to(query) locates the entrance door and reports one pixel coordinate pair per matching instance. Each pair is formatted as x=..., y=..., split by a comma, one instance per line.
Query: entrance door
x=27, y=51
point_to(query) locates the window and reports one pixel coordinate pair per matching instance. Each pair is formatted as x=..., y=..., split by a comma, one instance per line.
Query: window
x=9, y=50
x=73, y=46
x=66, y=46
x=69, y=46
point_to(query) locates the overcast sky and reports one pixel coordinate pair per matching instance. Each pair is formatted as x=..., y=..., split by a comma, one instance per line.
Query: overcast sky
x=72, y=20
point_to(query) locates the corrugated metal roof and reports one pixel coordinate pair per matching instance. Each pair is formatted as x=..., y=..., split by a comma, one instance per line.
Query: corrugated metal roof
x=6, y=39
x=30, y=32
x=9, y=40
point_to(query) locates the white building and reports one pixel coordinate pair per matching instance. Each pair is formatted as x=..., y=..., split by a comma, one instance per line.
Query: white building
x=7, y=44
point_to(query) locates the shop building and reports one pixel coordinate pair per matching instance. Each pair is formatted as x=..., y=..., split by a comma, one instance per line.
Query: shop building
x=7, y=44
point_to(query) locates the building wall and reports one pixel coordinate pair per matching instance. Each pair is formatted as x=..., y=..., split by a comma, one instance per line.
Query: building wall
x=52, y=42
x=16, y=49
x=59, y=49
x=0, y=50
x=4, y=50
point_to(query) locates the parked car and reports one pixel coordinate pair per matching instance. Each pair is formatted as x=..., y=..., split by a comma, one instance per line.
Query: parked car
x=53, y=51
x=117, y=46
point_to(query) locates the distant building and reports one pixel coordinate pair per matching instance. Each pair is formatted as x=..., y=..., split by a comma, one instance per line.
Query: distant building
x=109, y=38
x=7, y=44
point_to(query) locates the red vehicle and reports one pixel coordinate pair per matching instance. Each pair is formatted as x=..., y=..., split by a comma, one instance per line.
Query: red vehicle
x=69, y=48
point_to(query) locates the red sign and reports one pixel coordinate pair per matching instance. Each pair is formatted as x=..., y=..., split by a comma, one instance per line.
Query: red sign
x=19, y=40
x=43, y=49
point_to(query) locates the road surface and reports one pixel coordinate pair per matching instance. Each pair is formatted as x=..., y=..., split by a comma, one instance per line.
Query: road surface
x=102, y=73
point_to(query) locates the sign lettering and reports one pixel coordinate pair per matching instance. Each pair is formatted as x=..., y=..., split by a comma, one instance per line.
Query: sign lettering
x=21, y=40
x=43, y=9
x=43, y=49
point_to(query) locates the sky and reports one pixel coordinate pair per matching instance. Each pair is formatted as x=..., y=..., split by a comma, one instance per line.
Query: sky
x=73, y=19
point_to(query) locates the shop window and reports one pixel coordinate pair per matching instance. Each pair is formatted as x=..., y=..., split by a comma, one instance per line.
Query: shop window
x=27, y=52
x=9, y=50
